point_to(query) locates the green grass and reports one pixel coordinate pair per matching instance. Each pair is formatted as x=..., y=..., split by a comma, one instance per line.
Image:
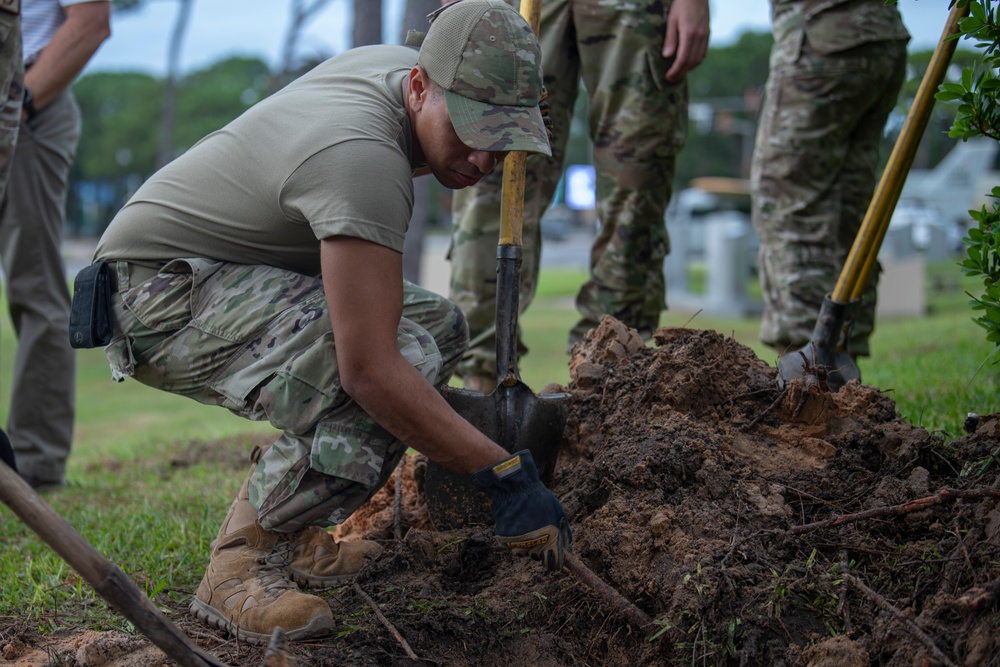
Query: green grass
x=151, y=506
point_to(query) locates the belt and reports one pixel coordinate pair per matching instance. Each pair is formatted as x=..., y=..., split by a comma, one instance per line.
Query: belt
x=137, y=273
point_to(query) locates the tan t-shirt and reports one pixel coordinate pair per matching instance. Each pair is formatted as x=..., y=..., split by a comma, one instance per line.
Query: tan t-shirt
x=327, y=155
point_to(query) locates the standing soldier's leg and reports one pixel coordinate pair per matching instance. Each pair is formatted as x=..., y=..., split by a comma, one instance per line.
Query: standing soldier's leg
x=803, y=180
x=11, y=89
x=11, y=93
x=888, y=61
x=31, y=232
x=476, y=210
x=637, y=123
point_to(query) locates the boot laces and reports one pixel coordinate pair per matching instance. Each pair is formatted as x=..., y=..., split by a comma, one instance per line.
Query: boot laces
x=272, y=574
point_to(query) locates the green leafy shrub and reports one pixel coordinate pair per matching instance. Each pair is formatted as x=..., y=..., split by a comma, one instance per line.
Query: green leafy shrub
x=978, y=115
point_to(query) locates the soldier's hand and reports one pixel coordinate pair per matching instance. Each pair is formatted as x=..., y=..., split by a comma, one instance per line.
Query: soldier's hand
x=530, y=520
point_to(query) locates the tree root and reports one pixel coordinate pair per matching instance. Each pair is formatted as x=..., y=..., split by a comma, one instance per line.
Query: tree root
x=635, y=615
x=389, y=626
x=912, y=627
x=981, y=597
x=896, y=510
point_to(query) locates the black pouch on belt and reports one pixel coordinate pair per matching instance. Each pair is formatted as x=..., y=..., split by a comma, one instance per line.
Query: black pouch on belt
x=90, y=319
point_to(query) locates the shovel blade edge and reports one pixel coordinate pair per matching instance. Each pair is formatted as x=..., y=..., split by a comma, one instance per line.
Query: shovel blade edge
x=513, y=417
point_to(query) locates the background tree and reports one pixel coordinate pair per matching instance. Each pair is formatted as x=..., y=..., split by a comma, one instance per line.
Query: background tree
x=302, y=11
x=935, y=143
x=118, y=149
x=118, y=152
x=725, y=92
x=166, y=149
x=415, y=18
x=367, y=23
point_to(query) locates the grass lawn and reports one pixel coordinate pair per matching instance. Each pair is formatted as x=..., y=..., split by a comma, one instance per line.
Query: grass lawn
x=154, y=515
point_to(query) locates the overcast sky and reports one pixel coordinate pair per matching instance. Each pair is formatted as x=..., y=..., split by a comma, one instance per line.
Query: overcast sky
x=220, y=28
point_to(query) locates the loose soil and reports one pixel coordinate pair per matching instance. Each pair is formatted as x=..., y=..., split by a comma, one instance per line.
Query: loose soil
x=752, y=525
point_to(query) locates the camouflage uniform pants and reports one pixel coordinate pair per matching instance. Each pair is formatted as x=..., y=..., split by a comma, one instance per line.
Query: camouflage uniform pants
x=813, y=175
x=637, y=122
x=258, y=341
x=11, y=90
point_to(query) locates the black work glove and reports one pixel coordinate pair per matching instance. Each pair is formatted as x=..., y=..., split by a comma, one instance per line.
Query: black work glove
x=529, y=519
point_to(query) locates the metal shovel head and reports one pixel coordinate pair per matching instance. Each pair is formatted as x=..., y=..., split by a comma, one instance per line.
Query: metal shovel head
x=513, y=417
x=820, y=357
x=837, y=367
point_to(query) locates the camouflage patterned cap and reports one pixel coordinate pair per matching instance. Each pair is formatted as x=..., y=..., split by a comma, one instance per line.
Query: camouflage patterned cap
x=486, y=57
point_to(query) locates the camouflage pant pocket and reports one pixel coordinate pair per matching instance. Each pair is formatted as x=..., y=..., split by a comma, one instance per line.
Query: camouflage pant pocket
x=119, y=354
x=163, y=302
x=350, y=445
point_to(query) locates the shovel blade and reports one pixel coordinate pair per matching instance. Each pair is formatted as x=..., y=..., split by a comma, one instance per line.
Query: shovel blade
x=837, y=367
x=821, y=356
x=513, y=417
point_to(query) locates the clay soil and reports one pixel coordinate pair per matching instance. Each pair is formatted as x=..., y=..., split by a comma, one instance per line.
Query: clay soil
x=748, y=525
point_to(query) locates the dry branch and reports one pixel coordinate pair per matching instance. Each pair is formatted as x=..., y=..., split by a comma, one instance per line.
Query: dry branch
x=388, y=626
x=896, y=510
x=607, y=593
x=397, y=519
x=774, y=404
x=277, y=654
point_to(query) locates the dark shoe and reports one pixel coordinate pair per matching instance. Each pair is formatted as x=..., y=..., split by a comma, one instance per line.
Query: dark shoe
x=43, y=486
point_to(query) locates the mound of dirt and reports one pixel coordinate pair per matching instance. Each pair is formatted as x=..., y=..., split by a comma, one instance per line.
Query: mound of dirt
x=749, y=526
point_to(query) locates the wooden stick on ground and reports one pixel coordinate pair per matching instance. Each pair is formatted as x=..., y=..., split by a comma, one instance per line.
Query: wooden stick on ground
x=635, y=615
x=388, y=626
x=277, y=654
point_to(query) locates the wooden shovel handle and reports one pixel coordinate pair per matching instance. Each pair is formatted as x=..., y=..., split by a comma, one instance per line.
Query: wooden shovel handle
x=512, y=199
x=107, y=579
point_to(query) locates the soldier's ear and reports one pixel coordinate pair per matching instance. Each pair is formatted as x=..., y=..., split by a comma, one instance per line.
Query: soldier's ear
x=419, y=88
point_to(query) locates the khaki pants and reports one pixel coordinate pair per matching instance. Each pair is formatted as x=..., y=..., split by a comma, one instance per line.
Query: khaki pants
x=42, y=400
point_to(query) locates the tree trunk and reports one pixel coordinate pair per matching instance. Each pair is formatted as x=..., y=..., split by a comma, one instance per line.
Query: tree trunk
x=367, y=22
x=165, y=153
x=415, y=18
x=303, y=11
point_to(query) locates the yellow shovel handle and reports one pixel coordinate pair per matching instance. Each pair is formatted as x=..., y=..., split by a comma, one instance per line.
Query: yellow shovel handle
x=512, y=200
x=858, y=266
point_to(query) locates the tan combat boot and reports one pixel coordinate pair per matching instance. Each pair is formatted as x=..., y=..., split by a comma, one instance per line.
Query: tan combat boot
x=246, y=589
x=320, y=562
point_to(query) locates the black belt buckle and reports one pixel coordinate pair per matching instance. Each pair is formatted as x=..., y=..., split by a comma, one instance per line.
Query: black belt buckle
x=91, y=317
